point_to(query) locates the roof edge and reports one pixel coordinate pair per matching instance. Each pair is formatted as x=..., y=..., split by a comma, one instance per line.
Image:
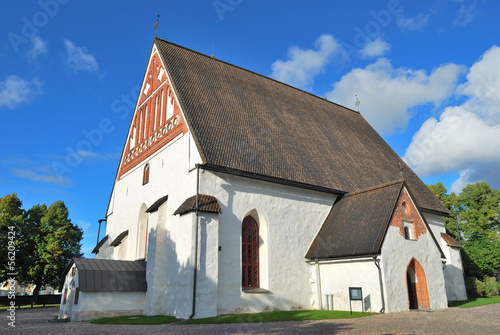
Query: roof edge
x=245, y=174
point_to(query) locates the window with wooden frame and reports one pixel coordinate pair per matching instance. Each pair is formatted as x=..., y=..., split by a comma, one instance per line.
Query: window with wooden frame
x=250, y=253
x=408, y=230
x=65, y=297
x=145, y=175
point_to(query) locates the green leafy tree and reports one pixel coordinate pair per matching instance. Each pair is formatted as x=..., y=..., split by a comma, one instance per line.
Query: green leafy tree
x=50, y=240
x=45, y=241
x=11, y=218
x=477, y=211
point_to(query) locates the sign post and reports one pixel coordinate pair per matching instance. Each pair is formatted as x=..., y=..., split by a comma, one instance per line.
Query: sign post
x=356, y=293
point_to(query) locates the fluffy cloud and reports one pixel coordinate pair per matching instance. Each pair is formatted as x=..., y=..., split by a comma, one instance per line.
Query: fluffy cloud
x=412, y=23
x=466, y=137
x=15, y=90
x=302, y=65
x=78, y=59
x=387, y=94
x=38, y=49
x=375, y=48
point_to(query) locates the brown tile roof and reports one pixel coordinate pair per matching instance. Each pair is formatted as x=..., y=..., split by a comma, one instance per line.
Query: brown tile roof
x=119, y=238
x=356, y=224
x=451, y=241
x=206, y=203
x=154, y=207
x=99, y=245
x=247, y=122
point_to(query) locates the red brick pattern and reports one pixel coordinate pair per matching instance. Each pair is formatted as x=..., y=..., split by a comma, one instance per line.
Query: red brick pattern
x=152, y=129
x=420, y=287
x=411, y=215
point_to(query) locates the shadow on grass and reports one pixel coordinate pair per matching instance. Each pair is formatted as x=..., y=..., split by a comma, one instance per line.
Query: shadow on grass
x=474, y=302
x=135, y=320
x=302, y=315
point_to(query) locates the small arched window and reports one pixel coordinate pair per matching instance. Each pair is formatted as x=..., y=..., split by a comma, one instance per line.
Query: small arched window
x=145, y=175
x=250, y=253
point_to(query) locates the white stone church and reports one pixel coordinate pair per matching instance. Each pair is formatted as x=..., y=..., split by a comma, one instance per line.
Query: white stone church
x=238, y=193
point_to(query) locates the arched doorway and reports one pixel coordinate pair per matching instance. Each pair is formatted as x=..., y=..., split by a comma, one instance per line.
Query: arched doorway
x=416, y=284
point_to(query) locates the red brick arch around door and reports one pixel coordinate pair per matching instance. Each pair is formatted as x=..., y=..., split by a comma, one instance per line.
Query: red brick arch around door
x=416, y=284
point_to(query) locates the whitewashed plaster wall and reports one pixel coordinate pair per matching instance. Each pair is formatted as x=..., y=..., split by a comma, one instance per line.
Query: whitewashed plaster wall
x=397, y=253
x=453, y=275
x=453, y=272
x=69, y=309
x=337, y=276
x=288, y=219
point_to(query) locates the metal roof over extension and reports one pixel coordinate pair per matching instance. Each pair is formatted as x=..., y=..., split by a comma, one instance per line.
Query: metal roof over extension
x=100, y=275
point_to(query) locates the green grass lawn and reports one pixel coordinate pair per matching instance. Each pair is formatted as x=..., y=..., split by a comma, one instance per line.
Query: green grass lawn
x=4, y=308
x=302, y=315
x=135, y=320
x=235, y=318
x=475, y=302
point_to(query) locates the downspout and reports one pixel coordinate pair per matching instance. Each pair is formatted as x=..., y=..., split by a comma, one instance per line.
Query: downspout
x=382, y=310
x=196, y=239
x=318, y=286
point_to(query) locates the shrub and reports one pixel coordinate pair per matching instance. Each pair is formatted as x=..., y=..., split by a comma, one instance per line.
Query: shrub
x=492, y=287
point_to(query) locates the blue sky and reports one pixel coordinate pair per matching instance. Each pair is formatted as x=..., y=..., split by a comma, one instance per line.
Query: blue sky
x=427, y=74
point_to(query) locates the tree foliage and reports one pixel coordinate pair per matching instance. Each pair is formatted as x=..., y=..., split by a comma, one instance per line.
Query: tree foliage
x=46, y=241
x=11, y=217
x=477, y=213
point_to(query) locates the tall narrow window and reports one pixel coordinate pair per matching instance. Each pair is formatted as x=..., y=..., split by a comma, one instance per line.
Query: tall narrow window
x=145, y=175
x=250, y=253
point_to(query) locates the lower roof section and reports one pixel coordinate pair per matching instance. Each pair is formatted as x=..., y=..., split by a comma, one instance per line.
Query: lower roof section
x=108, y=275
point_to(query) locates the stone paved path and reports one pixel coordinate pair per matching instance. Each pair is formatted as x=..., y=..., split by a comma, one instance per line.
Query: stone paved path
x=479, y=320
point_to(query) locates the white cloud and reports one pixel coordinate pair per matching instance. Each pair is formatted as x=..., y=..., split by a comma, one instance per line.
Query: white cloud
x=375, y=48
x=41, y=177
x=15, y=90
x=387, y=94
x=38, y=49
x=78, y=59
x=412, y=23
x=465, y=15
x=466, y=137
x=302, y=65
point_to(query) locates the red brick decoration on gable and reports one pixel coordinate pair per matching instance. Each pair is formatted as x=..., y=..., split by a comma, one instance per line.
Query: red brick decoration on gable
x=409, y=214
x=157, y=119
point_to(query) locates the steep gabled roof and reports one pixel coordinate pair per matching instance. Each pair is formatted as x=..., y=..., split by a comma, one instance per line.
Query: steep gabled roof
x=356, y=224
x=246, y=122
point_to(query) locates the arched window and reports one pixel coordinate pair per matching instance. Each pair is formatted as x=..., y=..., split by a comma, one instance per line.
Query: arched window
x=145, y=175
x=250, y=253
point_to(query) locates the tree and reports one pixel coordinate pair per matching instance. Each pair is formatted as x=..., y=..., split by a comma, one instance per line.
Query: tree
x=50, y=240
x=46, y=241
x=11, y=217
x=477, y=210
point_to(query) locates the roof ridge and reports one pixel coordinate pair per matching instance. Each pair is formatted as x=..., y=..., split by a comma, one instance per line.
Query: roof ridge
x=256, y=73
x=399, y=181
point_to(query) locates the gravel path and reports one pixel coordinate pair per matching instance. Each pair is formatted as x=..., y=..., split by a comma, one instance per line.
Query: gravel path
x=479, y=320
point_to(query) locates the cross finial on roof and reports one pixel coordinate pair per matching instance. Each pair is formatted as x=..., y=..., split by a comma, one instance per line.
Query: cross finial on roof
x=357, y=102
x=156, y=25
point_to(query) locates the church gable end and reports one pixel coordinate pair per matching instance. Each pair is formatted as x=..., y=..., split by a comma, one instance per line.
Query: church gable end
x=157, y=118
x=407, y=218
